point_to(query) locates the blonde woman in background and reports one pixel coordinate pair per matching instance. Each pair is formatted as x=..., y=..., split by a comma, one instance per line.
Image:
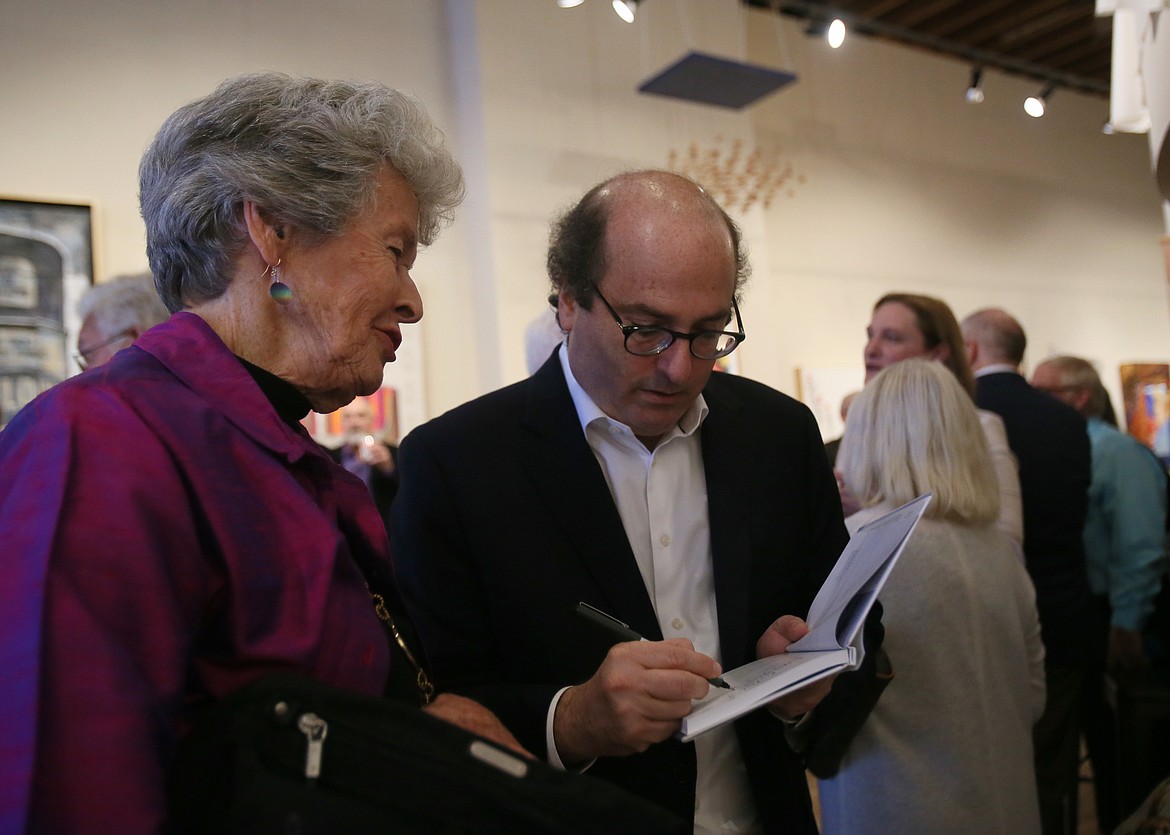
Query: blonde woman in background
x=948, y=748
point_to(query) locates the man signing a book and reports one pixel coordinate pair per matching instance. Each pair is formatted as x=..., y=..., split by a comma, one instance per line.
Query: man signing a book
x=697, y=508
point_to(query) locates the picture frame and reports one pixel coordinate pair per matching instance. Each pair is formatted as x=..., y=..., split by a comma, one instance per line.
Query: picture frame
x=823, y=389
x=46, y=264
x=1145, y=390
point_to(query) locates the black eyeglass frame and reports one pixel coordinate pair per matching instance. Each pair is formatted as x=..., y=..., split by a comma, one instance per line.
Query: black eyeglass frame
x=81, y=355
x=629, y=330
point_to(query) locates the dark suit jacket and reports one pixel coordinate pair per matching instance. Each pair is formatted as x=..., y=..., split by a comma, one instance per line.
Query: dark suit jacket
x=1051, y=443
x=382, y=487
x=504, y=522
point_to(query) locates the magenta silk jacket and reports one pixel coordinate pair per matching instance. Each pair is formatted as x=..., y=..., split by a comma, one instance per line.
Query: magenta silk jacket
x=164, y=538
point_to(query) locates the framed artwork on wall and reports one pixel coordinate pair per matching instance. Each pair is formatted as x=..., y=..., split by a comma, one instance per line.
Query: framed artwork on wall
x=396, y=408
x=326, y=428
x=1146, y=389
x=823, y=390
x=46, y=264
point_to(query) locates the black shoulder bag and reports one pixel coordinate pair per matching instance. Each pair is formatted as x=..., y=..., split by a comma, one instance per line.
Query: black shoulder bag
x=288, y=754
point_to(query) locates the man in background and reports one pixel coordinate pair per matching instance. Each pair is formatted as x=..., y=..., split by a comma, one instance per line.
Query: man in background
x=113, y=315
x=1126, y=524
x=366, y=455
x=832, y=446
x=1049, y=441
x=1124, y=549
x=696, y=507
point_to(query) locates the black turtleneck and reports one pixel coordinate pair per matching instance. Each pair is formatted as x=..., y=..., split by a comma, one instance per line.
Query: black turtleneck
x=290, y=404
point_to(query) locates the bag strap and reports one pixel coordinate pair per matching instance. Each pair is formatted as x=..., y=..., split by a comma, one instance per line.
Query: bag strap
x=426, y=688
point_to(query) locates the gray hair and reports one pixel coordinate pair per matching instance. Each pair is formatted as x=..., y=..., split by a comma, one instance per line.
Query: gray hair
x=1078, y=373
x=307, y=151
x=128, y=302
x=913, y=428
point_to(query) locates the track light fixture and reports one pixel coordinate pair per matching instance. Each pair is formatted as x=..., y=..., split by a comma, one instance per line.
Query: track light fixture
x=835, y=34
x=832, y=30
x=626, y=9
x=975, y=88
x=569, y=4
x=1035, y=105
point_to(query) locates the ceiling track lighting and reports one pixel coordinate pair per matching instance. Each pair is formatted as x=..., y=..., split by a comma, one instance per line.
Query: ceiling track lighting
x=831, y=29
x=835, y=35
x=569, y=4
x=1035, y=105
x=626, y=9
x=975, y=88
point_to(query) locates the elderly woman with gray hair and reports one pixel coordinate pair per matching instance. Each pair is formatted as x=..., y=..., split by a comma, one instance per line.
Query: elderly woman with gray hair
x=171, y=532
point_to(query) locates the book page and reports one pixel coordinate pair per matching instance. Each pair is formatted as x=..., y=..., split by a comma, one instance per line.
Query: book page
x=836, y=615
x=759, y=682
x=847, y=594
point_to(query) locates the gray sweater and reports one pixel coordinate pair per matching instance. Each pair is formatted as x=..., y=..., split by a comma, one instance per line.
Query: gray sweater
x=948, y=748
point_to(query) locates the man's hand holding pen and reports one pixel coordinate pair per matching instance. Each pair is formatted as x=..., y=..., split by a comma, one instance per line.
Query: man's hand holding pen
x=636, y=698
x=643, y=689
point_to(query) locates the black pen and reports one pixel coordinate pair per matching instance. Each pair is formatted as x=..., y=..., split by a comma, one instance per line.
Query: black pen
x=622, y=631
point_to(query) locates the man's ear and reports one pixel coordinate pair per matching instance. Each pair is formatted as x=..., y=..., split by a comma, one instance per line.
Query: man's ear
x=1080, y=399
x=972, y=351
x=566, y=310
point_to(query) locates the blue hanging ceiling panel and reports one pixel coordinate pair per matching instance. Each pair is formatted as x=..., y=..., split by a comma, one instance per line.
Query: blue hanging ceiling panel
x=709, y=79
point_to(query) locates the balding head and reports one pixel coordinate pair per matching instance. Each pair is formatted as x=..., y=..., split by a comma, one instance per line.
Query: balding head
x=993, y=337
x=580, y=243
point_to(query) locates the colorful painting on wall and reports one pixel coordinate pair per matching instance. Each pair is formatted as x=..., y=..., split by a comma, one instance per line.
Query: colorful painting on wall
x=1146, y=390
x=326, y=429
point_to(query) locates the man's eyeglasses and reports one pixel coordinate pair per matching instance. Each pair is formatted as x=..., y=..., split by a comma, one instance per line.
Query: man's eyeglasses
x=1056, y=391
x=648, y=340
x=82, y=355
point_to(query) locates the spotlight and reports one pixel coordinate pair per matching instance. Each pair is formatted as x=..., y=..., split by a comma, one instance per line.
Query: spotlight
x=1034, y=105
x=975, y=88
x=569, y=4
x=626, y=9
x=836, y=34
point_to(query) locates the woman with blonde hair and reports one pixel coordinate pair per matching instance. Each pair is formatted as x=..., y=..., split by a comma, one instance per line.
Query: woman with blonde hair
x=948, y=748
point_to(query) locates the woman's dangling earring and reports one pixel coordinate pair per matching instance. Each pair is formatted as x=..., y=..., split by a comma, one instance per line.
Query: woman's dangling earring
x=279, y=291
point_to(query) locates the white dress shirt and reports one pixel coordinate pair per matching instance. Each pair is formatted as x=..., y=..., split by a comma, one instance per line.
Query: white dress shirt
x=661, y=496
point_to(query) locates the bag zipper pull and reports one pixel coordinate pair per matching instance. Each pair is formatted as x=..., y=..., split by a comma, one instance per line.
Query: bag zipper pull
x=314, y=728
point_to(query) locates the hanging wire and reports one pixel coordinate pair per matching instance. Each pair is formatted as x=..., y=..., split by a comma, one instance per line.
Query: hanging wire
x=684, y=23
x=781, y=45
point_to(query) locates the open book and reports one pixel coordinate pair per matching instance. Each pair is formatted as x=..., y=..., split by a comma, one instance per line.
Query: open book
x=833, y=643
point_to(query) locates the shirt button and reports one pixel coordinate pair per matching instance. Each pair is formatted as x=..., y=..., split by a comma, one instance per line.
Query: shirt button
x=665, y=540
x=677, y=623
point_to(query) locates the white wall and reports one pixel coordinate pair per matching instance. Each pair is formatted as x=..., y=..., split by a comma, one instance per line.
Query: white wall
x=84, y=87
x=905, y=185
